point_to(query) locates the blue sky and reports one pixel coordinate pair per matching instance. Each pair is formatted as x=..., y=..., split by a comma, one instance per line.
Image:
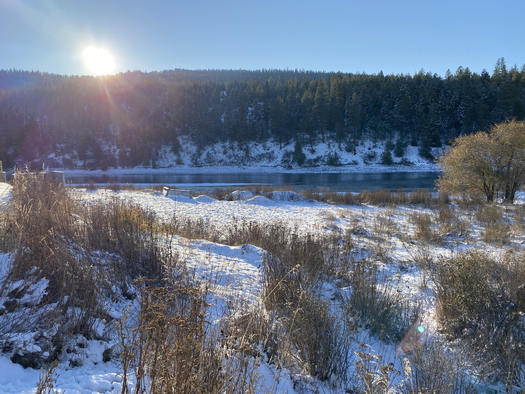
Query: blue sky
x=352, y=36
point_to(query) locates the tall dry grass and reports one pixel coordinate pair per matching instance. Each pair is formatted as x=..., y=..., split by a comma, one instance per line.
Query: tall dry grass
x=482, y=300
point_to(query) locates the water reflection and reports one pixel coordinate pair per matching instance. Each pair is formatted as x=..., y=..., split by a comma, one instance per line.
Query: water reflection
x=335, y=181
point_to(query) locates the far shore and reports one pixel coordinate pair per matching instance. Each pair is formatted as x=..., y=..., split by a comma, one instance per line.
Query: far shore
x=253, y=169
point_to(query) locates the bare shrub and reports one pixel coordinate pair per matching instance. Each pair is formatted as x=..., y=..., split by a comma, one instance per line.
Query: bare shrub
x=128, y=230
x=319, y=337
x=495, y=229
x=172, y=350
x=46, y=383
x=431, y=369
x=477, y=303
x=385, y=223
x=450, y=222
x=381, y=309
x=375, y=377
x=489, y=214
x=497, y=233
x=423, y=226
x=44, y=225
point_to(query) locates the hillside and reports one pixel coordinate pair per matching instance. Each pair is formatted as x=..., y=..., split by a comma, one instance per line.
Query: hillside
x=134, y=118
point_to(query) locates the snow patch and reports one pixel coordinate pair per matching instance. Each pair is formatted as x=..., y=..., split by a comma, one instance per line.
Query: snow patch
x=5, y=193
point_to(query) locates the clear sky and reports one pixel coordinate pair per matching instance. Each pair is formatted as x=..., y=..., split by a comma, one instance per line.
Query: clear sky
x=394, y=36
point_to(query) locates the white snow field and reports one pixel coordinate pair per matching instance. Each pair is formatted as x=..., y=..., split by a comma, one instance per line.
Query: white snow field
x=234, y=275
x=5, y=192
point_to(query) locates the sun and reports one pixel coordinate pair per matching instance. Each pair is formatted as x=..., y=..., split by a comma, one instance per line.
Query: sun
x=98, y=61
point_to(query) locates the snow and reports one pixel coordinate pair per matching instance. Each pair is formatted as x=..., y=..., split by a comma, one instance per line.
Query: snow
x=285, y=196
x=233, y=274
x=203, y=199
x=234, y=278
x=304, y=214
x=270, y=156
x=240, y=195
x=92, y=378
x=5, y=193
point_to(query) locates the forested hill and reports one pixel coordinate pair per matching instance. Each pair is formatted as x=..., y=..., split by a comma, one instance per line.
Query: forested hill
x=127, y=118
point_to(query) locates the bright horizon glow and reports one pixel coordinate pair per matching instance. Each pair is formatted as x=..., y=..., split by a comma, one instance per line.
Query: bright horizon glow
x=98, y=61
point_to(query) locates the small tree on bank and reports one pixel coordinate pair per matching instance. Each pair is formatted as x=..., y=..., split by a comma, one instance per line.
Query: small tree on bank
x=486, y=164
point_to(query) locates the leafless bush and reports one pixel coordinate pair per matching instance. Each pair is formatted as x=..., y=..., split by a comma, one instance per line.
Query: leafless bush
x=450, y=222
x=479, y=302
x=431, y=369
x=129, y=231
x=489, y=214
x=381, y=310
x=498, y=233
x=496, y=229
x=172, y=350
x=423, y=226
x=320, y=338
x=44, y=226
x=385, y=223
x=46, y=383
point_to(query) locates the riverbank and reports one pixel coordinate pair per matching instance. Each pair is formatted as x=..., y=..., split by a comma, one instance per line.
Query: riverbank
x=253, y=169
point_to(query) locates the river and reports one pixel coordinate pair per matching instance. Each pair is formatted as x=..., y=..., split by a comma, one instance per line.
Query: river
x=350, y=181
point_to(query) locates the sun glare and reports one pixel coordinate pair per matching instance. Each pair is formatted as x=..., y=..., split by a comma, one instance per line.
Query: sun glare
x=98, y=61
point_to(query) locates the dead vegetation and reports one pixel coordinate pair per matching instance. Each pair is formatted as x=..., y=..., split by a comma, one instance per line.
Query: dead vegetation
x=172, y=348
x=87, y=250
x=381, y=309
x=481, y=301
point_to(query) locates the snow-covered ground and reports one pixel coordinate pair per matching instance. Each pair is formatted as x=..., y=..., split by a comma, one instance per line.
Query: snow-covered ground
x=234, y=273
x=5, y=192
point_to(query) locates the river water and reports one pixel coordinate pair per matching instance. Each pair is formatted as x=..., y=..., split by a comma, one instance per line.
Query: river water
x=351, y=181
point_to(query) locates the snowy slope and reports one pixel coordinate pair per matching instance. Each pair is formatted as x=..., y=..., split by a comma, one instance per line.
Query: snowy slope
x=328, y=156
x=365, y=157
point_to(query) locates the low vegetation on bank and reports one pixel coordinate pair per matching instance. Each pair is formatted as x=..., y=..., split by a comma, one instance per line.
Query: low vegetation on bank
x=327, y=299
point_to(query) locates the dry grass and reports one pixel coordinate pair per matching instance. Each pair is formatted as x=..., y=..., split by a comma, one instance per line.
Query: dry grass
x=129, y=231
x=480, y=301
x=43, y=226
x=379, y=308
x=423, y=229
x=172, y=349
x=421, y=197
x=47, y=379
x=450, y=222
x=496, y=230
x=431, y=369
